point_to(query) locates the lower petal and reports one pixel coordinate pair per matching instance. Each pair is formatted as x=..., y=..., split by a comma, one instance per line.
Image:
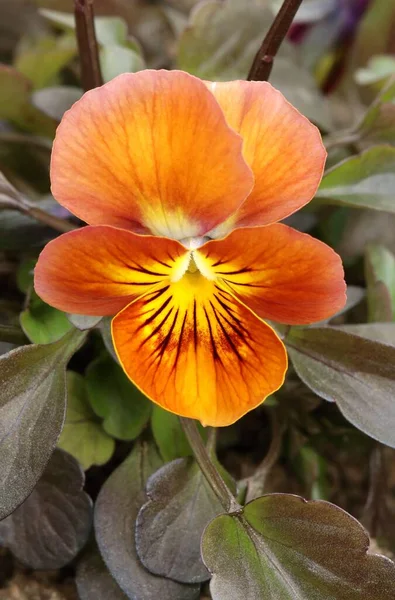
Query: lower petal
x=281, y=274
x=196, y=351
x=99, y=270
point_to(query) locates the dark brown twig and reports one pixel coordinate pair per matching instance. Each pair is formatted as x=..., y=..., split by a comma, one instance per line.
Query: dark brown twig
x=91, y=76
x=264, y=59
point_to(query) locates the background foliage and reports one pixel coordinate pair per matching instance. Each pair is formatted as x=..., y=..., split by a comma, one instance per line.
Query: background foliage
x=131, y=525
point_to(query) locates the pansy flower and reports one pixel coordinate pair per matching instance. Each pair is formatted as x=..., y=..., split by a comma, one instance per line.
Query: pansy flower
x=182, y=183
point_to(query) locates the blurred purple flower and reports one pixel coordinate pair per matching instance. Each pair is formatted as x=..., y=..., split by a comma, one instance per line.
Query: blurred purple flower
x=346, y=13
x=331, y=35
x=352, y=11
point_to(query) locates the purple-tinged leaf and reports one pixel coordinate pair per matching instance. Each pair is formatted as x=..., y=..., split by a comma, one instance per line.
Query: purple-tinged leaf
x=52, y=525
x=352, y=370
x=32, y=411
x=117, y=506
x=284, y=548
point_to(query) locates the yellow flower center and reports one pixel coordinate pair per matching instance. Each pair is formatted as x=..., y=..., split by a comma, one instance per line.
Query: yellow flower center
x=192, y=267
x=192, y=262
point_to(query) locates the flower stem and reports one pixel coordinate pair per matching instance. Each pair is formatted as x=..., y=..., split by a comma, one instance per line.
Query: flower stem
x=264, y=59
x=208, y=468
x=91, y=76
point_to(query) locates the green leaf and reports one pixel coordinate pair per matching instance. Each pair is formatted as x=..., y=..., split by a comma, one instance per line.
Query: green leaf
x=105, y=330
x=354, y=296
x=222, y=39
x=54, y=101
x=94, y=581
x=16, y=105
x=378, y=124
x=363, y=227
x=83, y=436
x=169, y=435
x=170, y=525
x=84, y=322
x=116, y=59
x=25, y=273
x=379, y=303
x=379, y=17
x=284, y=548
x=363, y=181
x=52, y=525
x=115, y=399
x=300, y=88
x=45, y=58
x=42, y=323
x=353, y=371
x=386, y=96
x=32, y=411
x=220, y=44
x=116, y=511
x=379, y=68
x=109, y=30
x=382, y=130
x=118, y=54
x=18, y=18
x=380, y=279
x=384, y=333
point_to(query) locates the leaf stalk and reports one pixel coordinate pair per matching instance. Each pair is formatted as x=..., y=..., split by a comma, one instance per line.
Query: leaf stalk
x=208, y=468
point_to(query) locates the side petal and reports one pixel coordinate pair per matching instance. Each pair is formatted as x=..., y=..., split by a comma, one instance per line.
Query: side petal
x=281, y=274
x=99, y=270
x=282, y=147
x=150, y=151
x=198, y=352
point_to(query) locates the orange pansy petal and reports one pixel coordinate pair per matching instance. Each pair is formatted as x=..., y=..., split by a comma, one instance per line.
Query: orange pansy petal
x=280, y=273
x=283, y=148
x=99, y=270
x=198, y=352
x=150, y=151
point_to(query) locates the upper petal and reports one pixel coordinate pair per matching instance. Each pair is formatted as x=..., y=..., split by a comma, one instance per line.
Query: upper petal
x=280, y=273
x=150, y=151
x=198, y=352
x=99, y=270
x=284, y=150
